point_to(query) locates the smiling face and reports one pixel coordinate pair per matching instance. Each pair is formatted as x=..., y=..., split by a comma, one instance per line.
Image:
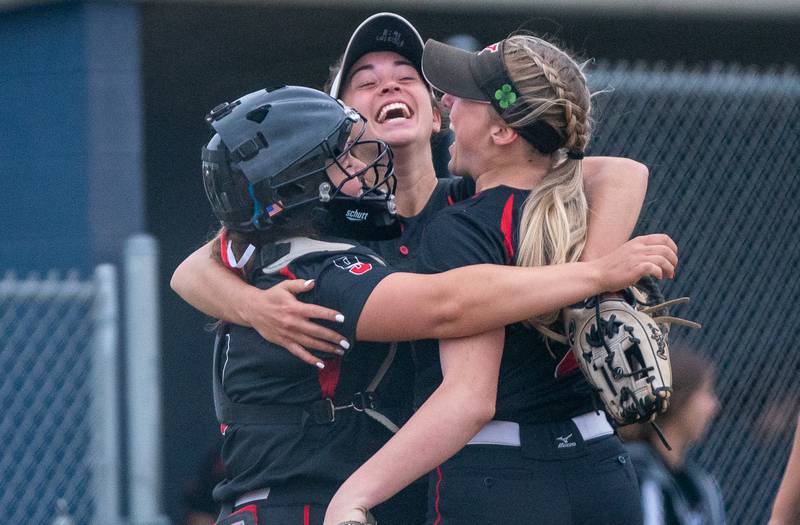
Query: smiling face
x=387, y=89
x=470, y=121
x=347, y=166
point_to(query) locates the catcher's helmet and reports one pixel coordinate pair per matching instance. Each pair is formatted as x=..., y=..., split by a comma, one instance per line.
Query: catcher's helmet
x=271, y=151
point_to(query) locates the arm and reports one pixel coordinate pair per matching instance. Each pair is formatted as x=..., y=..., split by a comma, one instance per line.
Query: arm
x=615, y=189
x=275, y=313
x=460, y=406
x=441, y=306
x=786, y=508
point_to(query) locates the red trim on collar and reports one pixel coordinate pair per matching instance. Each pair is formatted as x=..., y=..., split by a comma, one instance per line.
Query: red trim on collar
x=223, y=249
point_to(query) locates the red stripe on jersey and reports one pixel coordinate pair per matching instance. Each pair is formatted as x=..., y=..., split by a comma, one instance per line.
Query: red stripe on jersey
x=306, y=514
x=223, y=428
x=329, y=376
x=449, y=200
x=287, y=273
x=438, y=518
x=567, y=365
x=506, y=225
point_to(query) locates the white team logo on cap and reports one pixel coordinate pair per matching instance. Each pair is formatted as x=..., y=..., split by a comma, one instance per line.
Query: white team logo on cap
x=392, y=37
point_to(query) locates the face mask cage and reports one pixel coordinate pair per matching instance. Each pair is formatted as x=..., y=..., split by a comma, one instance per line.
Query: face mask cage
x=307, y=181
x=377, y=179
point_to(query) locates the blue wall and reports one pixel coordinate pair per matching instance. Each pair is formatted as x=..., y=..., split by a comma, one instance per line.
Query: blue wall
x=70, y=152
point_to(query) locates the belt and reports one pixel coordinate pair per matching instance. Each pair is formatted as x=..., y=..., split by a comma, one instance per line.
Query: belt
x=253, y=495
x=591, y=425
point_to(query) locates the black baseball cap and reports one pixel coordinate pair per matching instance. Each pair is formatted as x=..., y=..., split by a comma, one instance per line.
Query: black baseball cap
x=380, y=32
x=483, y=76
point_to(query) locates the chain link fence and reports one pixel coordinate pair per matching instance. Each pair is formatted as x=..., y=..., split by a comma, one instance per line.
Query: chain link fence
x=56, y=357
x=723, y=147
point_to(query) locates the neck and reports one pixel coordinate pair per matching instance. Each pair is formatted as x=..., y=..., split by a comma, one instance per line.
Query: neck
x=521, y=177
x=680, y=446
x=416, y=179
x=512, y=166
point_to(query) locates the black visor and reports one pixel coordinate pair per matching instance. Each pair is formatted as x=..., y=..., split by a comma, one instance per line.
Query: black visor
x=483, y=76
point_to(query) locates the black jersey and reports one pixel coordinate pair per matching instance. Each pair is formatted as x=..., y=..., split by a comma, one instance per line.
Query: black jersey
x=401, y=253
x=303, y=461
x=484, y=229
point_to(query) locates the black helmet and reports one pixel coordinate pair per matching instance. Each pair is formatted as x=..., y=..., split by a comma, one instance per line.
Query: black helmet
x=270, y=155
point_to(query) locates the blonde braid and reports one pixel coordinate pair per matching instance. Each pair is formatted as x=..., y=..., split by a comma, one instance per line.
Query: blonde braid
x=553, y=89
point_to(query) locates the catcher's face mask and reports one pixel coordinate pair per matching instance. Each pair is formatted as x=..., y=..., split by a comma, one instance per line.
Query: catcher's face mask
x=273, y=152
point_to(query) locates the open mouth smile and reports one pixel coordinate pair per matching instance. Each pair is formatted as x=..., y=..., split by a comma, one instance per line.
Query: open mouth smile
x=392, y=111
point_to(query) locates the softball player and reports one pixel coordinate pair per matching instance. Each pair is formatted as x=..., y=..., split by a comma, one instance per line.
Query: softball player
x=293, y=433
x=536, y=450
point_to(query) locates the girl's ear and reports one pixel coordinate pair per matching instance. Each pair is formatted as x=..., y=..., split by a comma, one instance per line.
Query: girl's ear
x=437, y=119
x=502, y=134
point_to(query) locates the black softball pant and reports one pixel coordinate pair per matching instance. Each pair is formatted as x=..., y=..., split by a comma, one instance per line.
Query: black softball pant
x=506, y=485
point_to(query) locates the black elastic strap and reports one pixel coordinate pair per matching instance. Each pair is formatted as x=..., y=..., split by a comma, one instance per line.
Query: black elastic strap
x=575, y=155
x=492, y=75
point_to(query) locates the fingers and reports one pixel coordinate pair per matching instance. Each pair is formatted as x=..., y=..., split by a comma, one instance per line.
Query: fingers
x=312, y=343
x=659, y=238
x=659, y=267
x=665, y=252
x=318, y=332
x=310, y=311
x=296, y=325
x=283, y=320
x=299, y=331
x=297, y=286
x=660, y=251
x=304, y=355
x=313, y=311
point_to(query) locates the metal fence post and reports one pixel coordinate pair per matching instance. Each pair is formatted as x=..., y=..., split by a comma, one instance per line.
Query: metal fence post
x=143, y=364
x=105, y=374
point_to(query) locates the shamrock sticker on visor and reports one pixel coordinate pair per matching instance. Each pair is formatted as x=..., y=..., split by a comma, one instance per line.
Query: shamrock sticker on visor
x=505, y=95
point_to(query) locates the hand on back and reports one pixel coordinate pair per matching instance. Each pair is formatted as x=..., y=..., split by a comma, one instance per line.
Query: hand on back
x=280, y=318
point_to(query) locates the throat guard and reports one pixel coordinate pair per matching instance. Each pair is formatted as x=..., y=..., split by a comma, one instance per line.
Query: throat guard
x=363, y=219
